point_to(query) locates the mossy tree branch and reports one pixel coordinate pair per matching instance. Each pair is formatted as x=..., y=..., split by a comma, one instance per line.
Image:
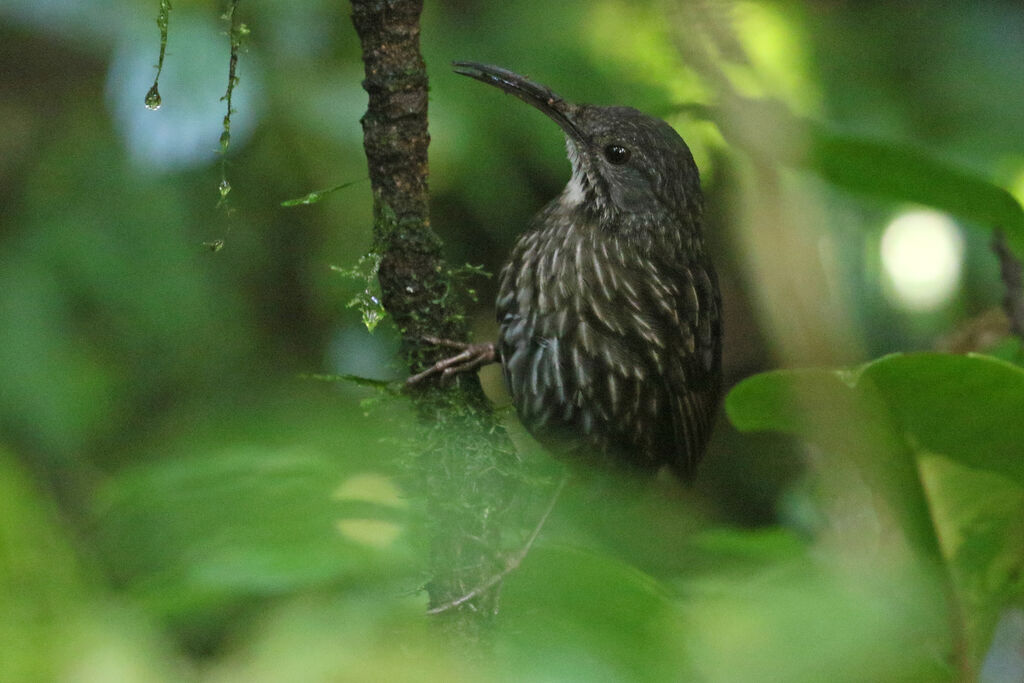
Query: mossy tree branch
x=466, y=460
x=412, y=273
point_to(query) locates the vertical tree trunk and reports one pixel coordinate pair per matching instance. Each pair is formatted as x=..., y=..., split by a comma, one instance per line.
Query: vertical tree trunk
x=467, y=452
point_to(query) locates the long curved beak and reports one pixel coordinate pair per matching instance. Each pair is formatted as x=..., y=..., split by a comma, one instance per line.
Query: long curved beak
x=534, y=94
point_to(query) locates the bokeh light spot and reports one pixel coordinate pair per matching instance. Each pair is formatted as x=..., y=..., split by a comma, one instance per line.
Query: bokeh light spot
x=372, y=532
x=922, y=254
x=371, y=488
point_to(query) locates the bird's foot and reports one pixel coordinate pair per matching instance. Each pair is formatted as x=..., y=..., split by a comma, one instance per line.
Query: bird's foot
x=470, y=357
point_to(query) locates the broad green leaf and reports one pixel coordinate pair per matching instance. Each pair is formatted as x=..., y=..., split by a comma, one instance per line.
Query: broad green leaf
x=797, y=616
x=574, y=615
x=351, y=635
x=195, y=532
x=903, y=173
x=888, y=170
x=290, y=492
x=1010, y=349
x=967, y=408
x=41, y=582
x=56, y=623
x=908, y=421
x=979, y=517
x=848, y=419
x=746, y=604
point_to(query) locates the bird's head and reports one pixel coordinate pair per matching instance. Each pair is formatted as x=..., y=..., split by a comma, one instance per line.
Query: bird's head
x=624, y=162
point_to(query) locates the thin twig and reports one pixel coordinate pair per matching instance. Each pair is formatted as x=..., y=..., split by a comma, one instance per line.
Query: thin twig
x=513, y=562
x=1013, y=279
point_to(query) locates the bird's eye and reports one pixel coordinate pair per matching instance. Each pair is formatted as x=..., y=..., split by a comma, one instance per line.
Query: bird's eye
x=616, y=154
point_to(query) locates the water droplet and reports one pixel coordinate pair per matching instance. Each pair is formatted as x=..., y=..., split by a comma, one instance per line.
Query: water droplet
x=214, y=246
x=225, y=140
x=153, y=100
x=224, y=188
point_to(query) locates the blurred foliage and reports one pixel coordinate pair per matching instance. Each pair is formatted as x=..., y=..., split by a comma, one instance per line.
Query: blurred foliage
x=178, y=500
x=921, y=453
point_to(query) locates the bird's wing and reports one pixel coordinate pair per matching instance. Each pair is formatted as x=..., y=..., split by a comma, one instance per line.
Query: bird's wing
x=693, y=360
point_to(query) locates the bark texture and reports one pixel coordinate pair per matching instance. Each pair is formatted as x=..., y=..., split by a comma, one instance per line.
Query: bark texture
x=467, y=454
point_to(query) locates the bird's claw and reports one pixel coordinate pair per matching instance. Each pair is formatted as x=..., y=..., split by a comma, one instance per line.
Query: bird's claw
x=470, y=357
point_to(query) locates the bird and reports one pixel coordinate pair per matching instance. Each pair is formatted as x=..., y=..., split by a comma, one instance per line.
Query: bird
x=609, y=309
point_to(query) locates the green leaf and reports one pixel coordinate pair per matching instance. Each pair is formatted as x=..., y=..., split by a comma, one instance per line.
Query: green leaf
x=383, y=386
x=747, y=603
x=883, y=169
x=56, y=623
x=780, y=613
x=967, y=408
x=192, y=533
x=940, y=438
x=1010, y=349
x=41, y=583
x=352, y=634
x=903, y=173
x=317, y=195
x=849, y=419
x=368, y=301
x=979, y=517
x=211, y=520
x=574, y=615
